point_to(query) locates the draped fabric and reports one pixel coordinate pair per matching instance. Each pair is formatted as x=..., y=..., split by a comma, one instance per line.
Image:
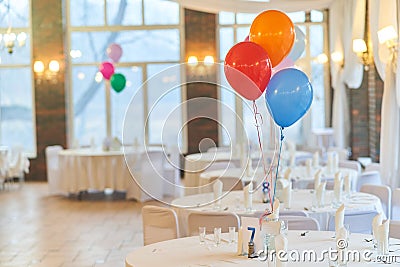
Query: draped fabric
x=383, y=14
x=242, y=6
x=346, y=22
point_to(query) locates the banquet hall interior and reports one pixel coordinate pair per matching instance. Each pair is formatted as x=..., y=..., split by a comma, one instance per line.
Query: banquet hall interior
x=199, y=132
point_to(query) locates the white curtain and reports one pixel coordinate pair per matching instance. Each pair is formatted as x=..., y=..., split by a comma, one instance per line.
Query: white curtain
x=346, y=21
x=382, y=14
x=215, y=6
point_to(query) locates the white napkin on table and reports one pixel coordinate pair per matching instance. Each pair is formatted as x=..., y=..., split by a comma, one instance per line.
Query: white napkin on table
x=376, y=221
x=315, y=160
x=309, y=167
x=287, y=195
x=317, y=179
x=281, y=244
x=292, y=160
x=339, y=218
x=329, y=163
x=341, y=233
x=249, y=168
x=320, y=194
x=275, y=214
x=383, y=236
x=347, y=184
x=337, y=186
x=217, y=187
x=248, y=197
x=287, y=173
x=335, y=161
x=240, y=250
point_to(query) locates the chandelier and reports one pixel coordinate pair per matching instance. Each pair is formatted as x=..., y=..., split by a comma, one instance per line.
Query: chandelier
x=10, y=39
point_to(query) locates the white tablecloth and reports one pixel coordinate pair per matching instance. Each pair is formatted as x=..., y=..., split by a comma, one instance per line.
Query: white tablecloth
x=301, y=200
x=188, y=252
x=86, y=169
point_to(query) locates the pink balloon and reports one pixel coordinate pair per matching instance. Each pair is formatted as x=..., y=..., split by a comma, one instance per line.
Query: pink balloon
x=107, y=69
x=247, y=39
x=114, y=52
x=284, y=64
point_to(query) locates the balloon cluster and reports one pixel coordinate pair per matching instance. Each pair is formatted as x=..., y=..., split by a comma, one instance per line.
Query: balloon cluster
x=117, y=80
x=264, y=62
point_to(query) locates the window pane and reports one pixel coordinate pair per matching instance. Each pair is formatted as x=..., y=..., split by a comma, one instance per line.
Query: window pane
x=318, y=104
x=18, y=14
x=226, y=18
x=145, y=45
x=317, y=42
x=88, y=97
x=245, y=18
x=16, y=115
x=317, y=16
x=121, y=100
x=164, y=103
x=119, y=14
x=242, y=33
x=161, y=12
x=87, y=13
x=225, y=41
x=297, y=16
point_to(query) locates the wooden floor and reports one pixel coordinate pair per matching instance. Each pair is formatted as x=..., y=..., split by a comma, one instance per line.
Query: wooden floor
x=41, y=230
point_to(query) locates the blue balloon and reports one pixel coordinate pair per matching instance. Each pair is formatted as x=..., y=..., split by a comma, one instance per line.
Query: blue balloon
x=289, y=95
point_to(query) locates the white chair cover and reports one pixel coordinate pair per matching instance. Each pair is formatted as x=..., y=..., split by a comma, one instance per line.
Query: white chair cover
x=172, y=173
x=18, y=164
x=372, y=177
x=229, y=183
x=159, y=224
x=219, y=149
x=359, y=222
x=3, y=166
x=221, y=165
x=373, y=167
x=210, y=220
x=301, y=223
x=343, y=153
x=394, y=229
x=52, y=168
x=350, y=164
x=396, y=204
x=383, y=192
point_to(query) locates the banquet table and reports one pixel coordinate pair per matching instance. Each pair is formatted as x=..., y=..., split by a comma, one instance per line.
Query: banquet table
x=92, y=169
x=196, y=164
x=189, y=252
x=302, y=200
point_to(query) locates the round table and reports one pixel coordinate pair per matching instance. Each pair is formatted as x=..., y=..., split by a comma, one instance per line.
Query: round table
x=302, y=200
x=189, y=252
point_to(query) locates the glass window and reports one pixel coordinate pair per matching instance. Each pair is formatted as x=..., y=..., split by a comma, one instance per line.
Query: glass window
x=127, y=12
x=245, y=18
x=317, y=44
x=317, y=16
x=299, y=16
x=226, y=18
x=226, y=41
x=161, y=12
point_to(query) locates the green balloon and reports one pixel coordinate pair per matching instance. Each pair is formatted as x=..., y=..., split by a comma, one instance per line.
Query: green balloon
x=118, y=82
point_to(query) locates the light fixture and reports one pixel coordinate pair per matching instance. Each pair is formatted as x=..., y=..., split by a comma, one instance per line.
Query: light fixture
x=201, y=68
x=192, y=61
x=337, y=57
x=388, y=36
x=50, y=74
x=361, y=49
x=8, y=39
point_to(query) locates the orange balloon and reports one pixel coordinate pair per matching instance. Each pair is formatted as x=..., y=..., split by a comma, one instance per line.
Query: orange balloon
x=274, y=31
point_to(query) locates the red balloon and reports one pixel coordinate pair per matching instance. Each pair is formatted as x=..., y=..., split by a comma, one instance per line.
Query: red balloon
x=248, y=69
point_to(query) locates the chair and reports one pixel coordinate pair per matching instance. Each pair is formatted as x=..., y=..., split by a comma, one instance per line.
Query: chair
x=372, y=177
x=350, y=164
x=343, y=153
x=210, y=220
x=301, y=223
x=383, y=192
x=221, y=165
x=172, y=173
x=394, y=229
x=159, y=224
x=18, y=165
x=373, y=167
x=229, y=183
x=396, y=204
x=3, y=166
x=52, y=168
x=219, y=149
x=359, y=221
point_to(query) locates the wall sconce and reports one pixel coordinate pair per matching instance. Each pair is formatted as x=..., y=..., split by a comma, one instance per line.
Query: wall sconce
x=388, y=36
x=360, y=48
x=202, y=68
x=337, y=57
x=50, y=74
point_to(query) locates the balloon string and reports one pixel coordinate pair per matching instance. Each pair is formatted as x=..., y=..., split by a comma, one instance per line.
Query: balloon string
x=261, y=149
x=279, y=160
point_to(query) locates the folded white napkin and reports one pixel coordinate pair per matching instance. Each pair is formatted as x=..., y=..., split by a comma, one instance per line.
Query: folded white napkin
x=287, y=173
x=320, y=194
x=240, y=250
x=287, y=195
x=339, y=218
x=317, y=179
x=249, y=168
x=315, y=160
x=217, y=187
x=275, y=214
x=248, y=197
x=337, y=186
x=376, y=221
x=281, y=244
x=335, y=161
x=309, y=167
x=383, y=237
x=329, y=163
x=341, y=233
x=347, y=184
x=291, y=147
x=292, y=160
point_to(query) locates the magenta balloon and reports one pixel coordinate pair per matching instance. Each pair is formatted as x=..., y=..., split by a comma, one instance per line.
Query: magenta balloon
x=114, y=52
x=247, y=39
x=107, y=69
